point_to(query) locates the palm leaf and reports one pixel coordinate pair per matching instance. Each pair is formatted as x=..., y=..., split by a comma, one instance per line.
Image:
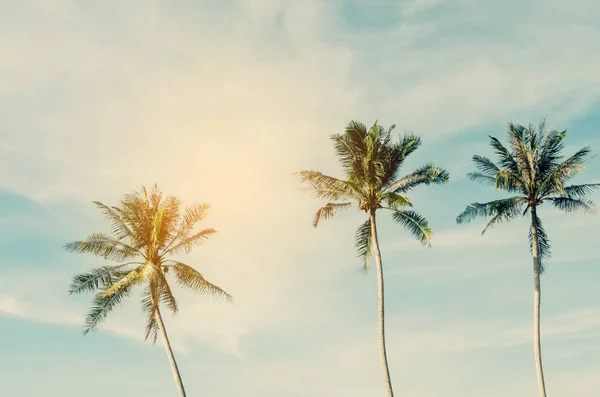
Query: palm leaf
x=395, y=200
x=119, y=228
x=485, y=166
x=149, y=307
x=416, y=224
x=328, y=211
x=581, y=191
x=104, y=246
x=498, y=210
x=543, y=242
x=363, y=241
x=425, y=175
x=128, y=280
x=102, y=305
x=191, y=215
x=568, y=204
x=192, y=279
x=104, y=276
x=327, y=187
x=190, y=242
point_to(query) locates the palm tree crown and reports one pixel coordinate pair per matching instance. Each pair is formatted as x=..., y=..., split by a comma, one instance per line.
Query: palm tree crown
x=535, y=171
x=372, y=162
x=145, y=231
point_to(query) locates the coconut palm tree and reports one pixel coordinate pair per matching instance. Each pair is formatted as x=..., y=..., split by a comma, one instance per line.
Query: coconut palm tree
x=146, y=230
x=371, y=162
x=534, y=171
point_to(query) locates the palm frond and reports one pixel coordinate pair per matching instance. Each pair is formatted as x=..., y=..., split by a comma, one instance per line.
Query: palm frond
x=190, y=242
x=581, y=191
x=505, y=158
x=128, y=280
x=104, y=246
x=328, y=211
x=416, y=224
x=485, y=166
x=543, y=242
x=424, y=175
x=165, y=294
x=191, y=215
x=482, y=178
x=119, y=228
x=568, y=204
x=104, y=277
x=499, y=210
x=102, y=305
x=554, y=182
x=551, y=153
x=395, y=200
x=327, y=187
x=363, y=241
x=409, y=142
x=350, y=149
x=150, y=301
x=189, y=277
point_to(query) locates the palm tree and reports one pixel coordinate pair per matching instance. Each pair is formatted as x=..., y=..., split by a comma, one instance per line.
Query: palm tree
x=534, y=171
x=371, y=162
x=145, y=231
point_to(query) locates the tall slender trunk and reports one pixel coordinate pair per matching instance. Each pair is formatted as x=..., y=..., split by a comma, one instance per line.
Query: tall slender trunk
x=537, y=298
x=381, y=306
x=174, y=368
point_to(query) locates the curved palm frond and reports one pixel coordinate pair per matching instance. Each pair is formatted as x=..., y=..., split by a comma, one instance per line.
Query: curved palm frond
x=119, y=228
x=500, y=211
x=149, y=302
x=102, y=305
x=100, y=244
x=551, y=153
x=104, y=276
x=165, y=294
x=329, y=188
x=128, y=280
x=505, y=158
x=395, y=200
x=350, y=148
x=192, y=279
x=191, y=215
x=190, y=242
x=554, y=182
x=409, y=142
x=568, y=204
x=425, y=175
x=485, y=166
x=543, y=242
x=482, y=178
x=363, y=241
x=581, y=191
x=328, y=211
x=416, y=224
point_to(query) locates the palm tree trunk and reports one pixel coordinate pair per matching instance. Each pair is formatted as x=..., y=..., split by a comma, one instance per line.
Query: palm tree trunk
x=381, y=306
x=165, y=338
x=537, y=297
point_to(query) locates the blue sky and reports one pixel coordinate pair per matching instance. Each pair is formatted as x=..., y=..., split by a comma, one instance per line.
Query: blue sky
x=221, y=101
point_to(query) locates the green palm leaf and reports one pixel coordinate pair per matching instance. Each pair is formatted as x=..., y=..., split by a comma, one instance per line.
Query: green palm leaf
x=363, y=241
x=102, y=305
x=192, y=279
x=416, y=224
x=104, y=276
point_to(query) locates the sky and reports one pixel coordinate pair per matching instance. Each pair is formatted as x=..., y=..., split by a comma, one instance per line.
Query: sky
x=221, y=102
